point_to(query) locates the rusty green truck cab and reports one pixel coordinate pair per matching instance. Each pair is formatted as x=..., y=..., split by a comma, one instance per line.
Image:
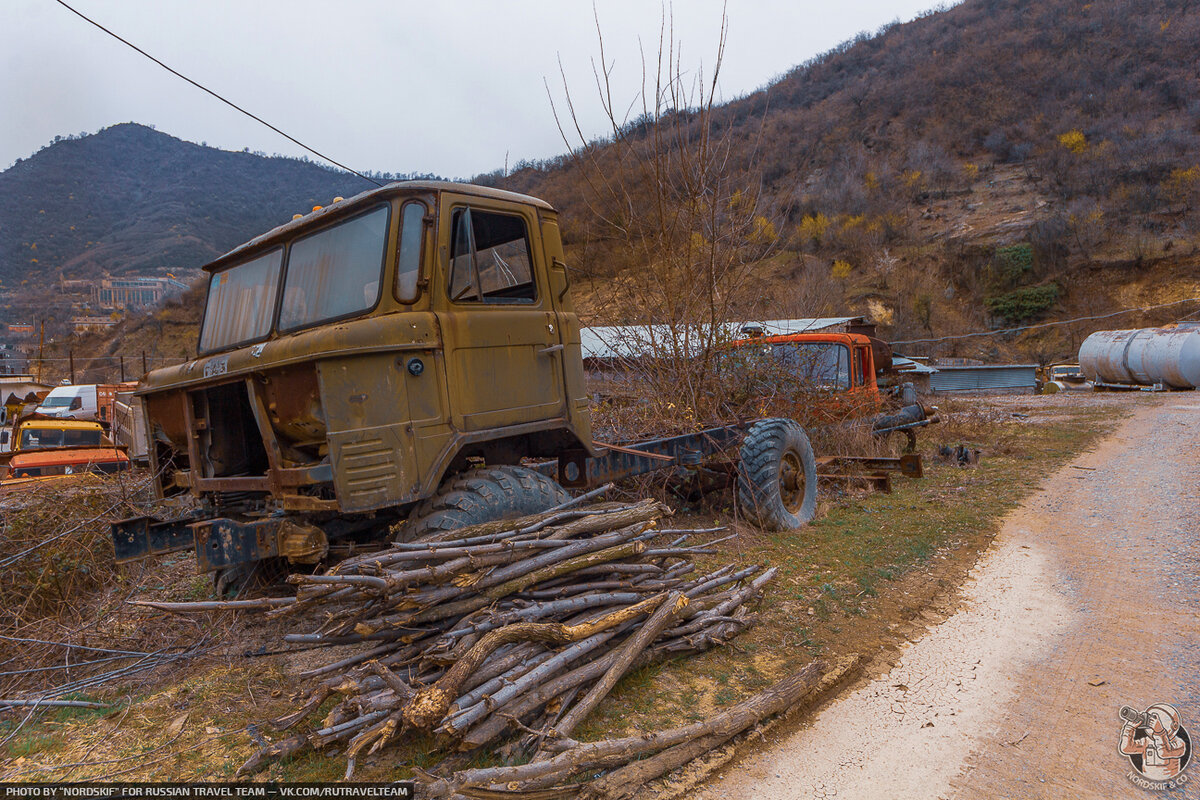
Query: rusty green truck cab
x=352, y=359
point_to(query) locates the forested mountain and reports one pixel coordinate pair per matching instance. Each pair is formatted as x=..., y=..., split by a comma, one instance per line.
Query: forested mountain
x=130, y=198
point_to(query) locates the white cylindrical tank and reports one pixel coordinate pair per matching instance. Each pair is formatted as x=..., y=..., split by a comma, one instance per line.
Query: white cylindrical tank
x=1169, y=356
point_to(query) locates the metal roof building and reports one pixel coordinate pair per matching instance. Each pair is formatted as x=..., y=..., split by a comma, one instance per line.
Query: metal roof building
x=635, y=341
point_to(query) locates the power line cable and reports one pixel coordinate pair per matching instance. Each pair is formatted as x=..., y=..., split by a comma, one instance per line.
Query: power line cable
x=1186, y=317
x=229, y=103
x=1049, y=324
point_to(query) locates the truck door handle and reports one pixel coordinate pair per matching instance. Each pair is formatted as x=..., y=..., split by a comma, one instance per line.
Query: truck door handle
x=554, y=348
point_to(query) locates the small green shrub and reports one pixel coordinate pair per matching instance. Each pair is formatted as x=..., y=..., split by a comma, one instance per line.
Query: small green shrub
x=1024, y=303
x=1012, y=264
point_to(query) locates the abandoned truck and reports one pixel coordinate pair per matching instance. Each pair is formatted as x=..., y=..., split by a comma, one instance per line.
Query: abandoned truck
x=399, y=355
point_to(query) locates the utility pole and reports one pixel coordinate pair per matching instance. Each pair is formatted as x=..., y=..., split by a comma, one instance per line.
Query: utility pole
x=71, y=359
x=41, y=343
x=122, y=369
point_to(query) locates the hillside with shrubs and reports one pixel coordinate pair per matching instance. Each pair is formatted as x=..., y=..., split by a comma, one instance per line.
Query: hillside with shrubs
x=995, y=164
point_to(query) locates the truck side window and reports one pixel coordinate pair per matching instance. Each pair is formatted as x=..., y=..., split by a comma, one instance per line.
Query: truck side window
x=408, y=264
x=489, y=258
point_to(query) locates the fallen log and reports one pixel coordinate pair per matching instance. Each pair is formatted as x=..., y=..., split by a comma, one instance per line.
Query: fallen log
x=195, y=606
x=576, y=756
x=624, y=782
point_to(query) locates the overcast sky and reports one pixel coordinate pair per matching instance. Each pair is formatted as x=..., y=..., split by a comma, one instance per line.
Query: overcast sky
x=452, y=88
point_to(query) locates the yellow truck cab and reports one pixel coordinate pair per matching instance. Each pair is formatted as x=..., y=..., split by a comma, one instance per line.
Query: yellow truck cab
x=37, y=434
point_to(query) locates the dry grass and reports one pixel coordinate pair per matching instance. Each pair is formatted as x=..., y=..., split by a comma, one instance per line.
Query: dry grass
x=54, y=543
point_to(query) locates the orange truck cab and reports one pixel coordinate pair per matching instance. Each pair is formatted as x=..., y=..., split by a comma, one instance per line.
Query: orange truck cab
x=840, y=367
x=51, y=463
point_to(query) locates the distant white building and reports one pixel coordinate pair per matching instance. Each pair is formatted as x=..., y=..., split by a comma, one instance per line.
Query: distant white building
x=132, y=292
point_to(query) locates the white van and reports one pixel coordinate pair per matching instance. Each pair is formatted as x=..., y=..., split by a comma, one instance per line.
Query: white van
x=70, y=402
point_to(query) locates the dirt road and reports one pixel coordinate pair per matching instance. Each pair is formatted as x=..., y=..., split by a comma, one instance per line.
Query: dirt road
x=1088, y=600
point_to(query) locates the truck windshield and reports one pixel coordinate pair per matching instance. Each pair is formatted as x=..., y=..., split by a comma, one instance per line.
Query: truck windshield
x=50, y=437
x=241, y=301
x=787, y=367
x=57, y=402
x=819, y=363
x=335, y=272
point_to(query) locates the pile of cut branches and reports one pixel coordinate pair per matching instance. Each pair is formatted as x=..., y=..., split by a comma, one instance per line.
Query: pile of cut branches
x=504, y=635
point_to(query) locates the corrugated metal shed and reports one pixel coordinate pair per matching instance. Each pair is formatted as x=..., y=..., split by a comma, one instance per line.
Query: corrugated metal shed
x=988, y=377
x=633, y=341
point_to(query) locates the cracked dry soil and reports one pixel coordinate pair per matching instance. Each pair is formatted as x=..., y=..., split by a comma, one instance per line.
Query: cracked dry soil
x=1086, y=601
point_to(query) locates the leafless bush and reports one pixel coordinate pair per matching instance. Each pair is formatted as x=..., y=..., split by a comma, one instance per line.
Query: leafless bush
x=55, y=547
x=62, y=601
x=677, y=201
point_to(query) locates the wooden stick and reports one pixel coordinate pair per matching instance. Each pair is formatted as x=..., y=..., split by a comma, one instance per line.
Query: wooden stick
x=259, y=604
x=624, y=782
x=539, y=610
x=515, y=585
x=52, y=703
x=274, y=752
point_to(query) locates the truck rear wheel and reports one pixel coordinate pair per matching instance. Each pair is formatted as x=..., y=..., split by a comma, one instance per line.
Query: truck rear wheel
x=484, y=495
x=249, y=579
x=777, y=476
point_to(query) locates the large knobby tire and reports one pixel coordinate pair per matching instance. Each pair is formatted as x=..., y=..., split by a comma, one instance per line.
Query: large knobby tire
x=484, y=495
x=777, y=476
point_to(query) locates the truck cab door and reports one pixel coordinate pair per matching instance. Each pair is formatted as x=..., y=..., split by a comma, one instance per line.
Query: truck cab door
x=503, y=344
x=864, y=380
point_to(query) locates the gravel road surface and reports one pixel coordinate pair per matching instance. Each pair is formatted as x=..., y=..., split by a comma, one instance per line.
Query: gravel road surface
x=1088, y=600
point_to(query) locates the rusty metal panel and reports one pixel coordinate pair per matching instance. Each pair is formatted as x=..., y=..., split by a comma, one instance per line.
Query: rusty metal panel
x=225, y=542
x=292, y=398
x=370, y=441
x=384, y=333
x=503, y=354
x=502, y=370
x=142, y=537
x=369, y=468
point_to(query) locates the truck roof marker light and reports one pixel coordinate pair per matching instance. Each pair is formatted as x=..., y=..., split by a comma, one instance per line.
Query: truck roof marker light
x=317, y=208
x=297, y=216
x=338, y=199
